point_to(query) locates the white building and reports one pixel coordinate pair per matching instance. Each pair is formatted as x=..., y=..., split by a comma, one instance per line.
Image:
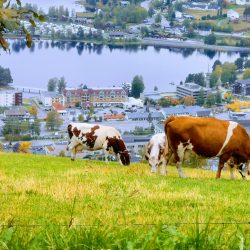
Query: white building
x=233, y=15
x=47, y=98
x=6, y=99
x=178, y=15
x=10, y=98
x=242, y=2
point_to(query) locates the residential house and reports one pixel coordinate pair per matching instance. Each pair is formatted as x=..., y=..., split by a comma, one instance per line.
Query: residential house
x=59, y=108
x=191, y=89
x=233, y=16
x=241, y=87
x=181, y=110
x=136, y=144
x=47, y=98
x=145, y=116
x=124, y=3
x=242, y=2
x=114, y=117
x=19, y=113
x=10, y=98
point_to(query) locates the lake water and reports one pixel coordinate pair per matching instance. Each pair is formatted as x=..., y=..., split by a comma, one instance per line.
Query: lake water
x=104, y=65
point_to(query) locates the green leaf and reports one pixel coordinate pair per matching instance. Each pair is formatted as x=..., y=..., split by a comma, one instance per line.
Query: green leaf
x=18, y=2
x=28, y=40
x=32, y=22
x=3, y=43
x=41, y=18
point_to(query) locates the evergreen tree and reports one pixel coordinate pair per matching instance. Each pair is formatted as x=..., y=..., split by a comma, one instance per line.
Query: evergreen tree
x=137, y=86
x=61, y=85
x=200, y=98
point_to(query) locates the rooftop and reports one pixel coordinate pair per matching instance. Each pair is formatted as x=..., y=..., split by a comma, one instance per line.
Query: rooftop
x=58, y=106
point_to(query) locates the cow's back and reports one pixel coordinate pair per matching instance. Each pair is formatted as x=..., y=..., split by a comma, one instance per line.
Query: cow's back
x=205, y=135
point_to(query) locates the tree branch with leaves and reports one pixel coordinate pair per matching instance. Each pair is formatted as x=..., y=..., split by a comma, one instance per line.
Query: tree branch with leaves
x=11, y=20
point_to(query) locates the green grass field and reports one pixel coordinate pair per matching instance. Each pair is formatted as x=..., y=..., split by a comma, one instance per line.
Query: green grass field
x=58, y=204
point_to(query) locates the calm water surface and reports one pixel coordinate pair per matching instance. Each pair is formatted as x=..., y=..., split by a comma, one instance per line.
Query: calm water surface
x=105, y=66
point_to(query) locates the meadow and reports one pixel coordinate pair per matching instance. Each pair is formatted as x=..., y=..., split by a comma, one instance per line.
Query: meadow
x=53, y=203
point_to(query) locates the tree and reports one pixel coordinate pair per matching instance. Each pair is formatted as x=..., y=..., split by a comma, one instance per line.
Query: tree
x=158, y=18
x=52, y=84
x=10, y=20
x=137, y=86
x=33, y=110
x=218, y=98
x=36, y=127
x=247, y=64
x=188, y=100
x=228, y=72
x=196, y=78
x=246, y=74
x=210, y=39
x=239, y=63
x=200, y=97
x=53, y=120
x=61, y=85
x=217, y=62
x=246, y=12
x=210, y=101
x=80, y=118
x=5, y=76
x=151, y=11
x=25, y=147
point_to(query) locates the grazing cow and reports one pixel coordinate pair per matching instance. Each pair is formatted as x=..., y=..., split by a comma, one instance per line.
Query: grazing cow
x=155, y=153
x=207, y=137
x=85, y=136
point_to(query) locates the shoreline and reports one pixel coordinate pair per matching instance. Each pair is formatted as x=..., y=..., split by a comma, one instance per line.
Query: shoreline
x=164, y=43
x=192, y=44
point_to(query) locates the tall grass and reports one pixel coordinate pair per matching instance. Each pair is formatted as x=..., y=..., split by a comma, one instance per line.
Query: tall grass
x=52, y=203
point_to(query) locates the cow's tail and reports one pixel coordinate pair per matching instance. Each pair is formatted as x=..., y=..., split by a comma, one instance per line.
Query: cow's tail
x=168, y=120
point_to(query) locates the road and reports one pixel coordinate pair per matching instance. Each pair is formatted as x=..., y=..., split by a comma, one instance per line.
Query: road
x=191, y=44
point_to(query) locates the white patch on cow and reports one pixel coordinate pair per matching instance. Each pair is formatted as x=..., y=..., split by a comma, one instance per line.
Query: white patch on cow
x=182, y=149
x=231, y=127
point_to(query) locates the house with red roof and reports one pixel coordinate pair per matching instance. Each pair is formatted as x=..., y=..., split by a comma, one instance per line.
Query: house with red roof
x=59, y=108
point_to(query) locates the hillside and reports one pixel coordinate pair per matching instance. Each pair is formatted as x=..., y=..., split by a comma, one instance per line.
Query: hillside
x=41, y=193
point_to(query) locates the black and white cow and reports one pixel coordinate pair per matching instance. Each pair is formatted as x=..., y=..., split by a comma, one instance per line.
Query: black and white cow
x=85, y=136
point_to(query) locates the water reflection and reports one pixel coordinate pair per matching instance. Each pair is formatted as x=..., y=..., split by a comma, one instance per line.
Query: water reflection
x=20, y=45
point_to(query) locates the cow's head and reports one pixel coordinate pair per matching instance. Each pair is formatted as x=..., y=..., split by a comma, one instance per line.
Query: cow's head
x=155, y=158
x=124, y=157
x=119, y=148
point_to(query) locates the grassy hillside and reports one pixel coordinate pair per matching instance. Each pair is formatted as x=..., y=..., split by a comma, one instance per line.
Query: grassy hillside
x=51, y=202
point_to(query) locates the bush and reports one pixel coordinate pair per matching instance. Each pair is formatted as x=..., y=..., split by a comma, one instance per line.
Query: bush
x=210, y=39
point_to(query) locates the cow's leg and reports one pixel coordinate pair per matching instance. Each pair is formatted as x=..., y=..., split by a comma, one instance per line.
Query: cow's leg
x=240, y=168
x=223, y=159
x=179, y=168
x=179, y=158
x=72, y=149
x=232, y=172
x=73, y=154
x=163, y=167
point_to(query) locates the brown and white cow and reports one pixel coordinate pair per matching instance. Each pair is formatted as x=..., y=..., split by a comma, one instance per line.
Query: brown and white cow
x=85, y=136
x=207, y=137
x=156, y=154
